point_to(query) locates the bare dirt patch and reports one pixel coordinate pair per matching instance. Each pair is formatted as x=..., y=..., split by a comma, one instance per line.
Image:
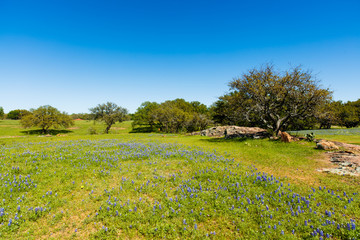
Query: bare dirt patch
x=10, y=126
x=11, y=136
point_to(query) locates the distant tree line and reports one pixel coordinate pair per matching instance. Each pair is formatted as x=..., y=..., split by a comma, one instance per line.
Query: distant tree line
x=340, y=114
x=172, y=116
x=82, y=116
x=262, y=97
x=17, y=114
x=2, y=114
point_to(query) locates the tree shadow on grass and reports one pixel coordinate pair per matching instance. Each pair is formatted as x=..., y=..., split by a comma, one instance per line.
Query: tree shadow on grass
x=52, y=132
x=143, y=130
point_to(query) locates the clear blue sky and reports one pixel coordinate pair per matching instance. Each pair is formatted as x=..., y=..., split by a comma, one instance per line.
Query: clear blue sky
x=74, y=55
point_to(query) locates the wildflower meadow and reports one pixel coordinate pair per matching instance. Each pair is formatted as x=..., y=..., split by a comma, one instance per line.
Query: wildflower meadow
x=106, y=189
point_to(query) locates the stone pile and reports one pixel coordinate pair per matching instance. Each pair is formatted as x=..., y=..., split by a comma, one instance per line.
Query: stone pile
x=348, y=163
x=235, y=132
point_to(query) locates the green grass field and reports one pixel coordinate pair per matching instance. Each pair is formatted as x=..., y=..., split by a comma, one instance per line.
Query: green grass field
x=347, y=135
x=73, y=185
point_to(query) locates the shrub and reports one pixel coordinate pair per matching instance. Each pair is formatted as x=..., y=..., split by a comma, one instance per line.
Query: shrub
x=92, y=131
x=310, y=137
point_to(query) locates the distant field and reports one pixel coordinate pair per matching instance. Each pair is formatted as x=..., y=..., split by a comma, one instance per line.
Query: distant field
x=348, y=135
x=123, y=185
x=10, y=128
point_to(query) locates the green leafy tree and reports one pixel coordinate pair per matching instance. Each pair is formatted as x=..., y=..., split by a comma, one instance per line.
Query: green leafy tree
x=170, y=118
x=200, y=108
x=145, y=115
x=179, y=115
x=227, y=111
x=350, y=115
x=17, y=114
x=109, y=113
x=272, y=99
x=197, y=122
x=173, y=116
x=46, y=117
x=329, y=114
x=2, y=113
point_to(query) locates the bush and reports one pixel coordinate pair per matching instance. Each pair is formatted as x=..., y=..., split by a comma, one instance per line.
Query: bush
x=92, y=131
x=310, y=137
x=17, y=114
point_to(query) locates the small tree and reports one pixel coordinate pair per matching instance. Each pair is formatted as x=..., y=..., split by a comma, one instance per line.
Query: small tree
x=272, y=99
x=17, y=114
x=2, y=113
x=109, y=113
x=46, y=117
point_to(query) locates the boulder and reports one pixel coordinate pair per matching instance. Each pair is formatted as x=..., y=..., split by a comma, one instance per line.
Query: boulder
x=235, y=132
x=326, y=145
x=285, y=137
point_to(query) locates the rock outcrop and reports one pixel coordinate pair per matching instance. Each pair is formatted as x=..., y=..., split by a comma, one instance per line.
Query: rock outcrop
x=347, y=163
x=326, y=145
x=235, y=132
x=285, y=137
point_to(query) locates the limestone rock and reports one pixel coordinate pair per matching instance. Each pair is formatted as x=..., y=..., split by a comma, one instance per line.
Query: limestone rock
x=285, y=137
x=326, y=145
x=235, y=131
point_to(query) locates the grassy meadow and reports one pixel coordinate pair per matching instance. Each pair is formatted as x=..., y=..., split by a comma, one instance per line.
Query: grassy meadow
x=123, y=185
x=347, y=135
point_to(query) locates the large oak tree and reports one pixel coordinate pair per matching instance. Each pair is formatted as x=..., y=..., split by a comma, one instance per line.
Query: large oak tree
x=272, y=99
x=46, y=117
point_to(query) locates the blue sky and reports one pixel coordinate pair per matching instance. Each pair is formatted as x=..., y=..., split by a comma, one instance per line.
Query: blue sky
x=74, y=55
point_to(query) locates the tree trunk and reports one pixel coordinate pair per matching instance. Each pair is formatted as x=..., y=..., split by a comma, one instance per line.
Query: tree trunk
x=107, y=129
x=276, y=128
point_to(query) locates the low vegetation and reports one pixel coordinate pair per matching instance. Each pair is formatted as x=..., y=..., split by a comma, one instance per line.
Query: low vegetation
x=153, y=186
x=172, y=116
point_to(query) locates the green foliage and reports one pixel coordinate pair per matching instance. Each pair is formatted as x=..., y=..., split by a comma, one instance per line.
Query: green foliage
x=271, y=99
x=172, y=116
x=301, y=123
x=328, y=114
x=310, y=137
x=109, y=113
x=92, y=131
x=82, y=116
x=340, y=114
x=223, y=112
x=17, y=114
x=46, y=117
x=2, y=113
x=350, y=114
x=145, y=114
